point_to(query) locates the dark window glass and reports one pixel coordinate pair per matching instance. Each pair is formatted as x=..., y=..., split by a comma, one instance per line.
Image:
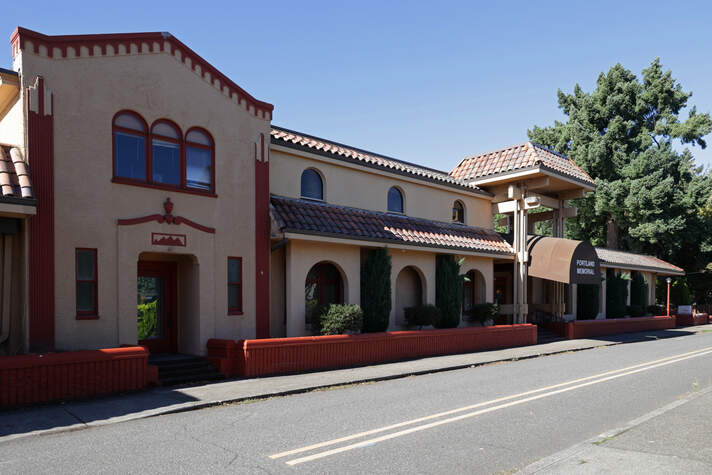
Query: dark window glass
x=130, y=156
x=458, y=212
x=234, y=284
x=312, y=186
x=395, y=200
x=86, y=281
x=197, y=164
x=166, y=162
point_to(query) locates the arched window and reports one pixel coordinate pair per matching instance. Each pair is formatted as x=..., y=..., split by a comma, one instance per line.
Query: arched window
x=199, y=158
x=473, y=291
x=323, y=287
x=129, y=131
x=458, y=212
x=166, y=153
x=395, y=200
x=312, y=185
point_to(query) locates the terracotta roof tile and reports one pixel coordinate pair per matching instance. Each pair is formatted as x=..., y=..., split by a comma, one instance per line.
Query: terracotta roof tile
x=305, y=216
x=14, y=174
x=294, y=139
x=525, y=155
x=615, y=257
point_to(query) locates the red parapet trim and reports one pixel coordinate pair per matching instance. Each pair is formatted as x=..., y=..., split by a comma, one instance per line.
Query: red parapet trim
x=29, y=379
x=288, y=355
x=21, y=35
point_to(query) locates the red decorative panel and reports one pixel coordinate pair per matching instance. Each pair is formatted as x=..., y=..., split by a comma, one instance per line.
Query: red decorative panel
x=289, y=355
x=262, y=240
x=590, y=328
x=165, y=239
x=167, y=218
x=30, y=379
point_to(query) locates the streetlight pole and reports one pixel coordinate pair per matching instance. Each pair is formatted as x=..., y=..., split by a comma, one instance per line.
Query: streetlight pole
x=668, y=280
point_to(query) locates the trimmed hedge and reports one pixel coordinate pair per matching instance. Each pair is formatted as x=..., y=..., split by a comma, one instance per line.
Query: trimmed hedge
x=448, y=291
x=587, y=301
x=376, y=290
x=616, y=295
x=422, y=315
x=340, y=319
x=482, y=312
x=638, y=291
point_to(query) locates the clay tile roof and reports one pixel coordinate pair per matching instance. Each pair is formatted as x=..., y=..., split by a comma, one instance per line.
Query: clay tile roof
x=526, y=155
x=311, y=217
x=298, y=140
x=622, y=259
x=14, y=175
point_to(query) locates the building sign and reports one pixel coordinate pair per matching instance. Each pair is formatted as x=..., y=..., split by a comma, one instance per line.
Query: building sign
x=563, y=260
x=165, y=239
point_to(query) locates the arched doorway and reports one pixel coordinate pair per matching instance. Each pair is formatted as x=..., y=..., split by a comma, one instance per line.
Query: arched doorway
x=474, y=291
x=323, y=286
x=409, y=292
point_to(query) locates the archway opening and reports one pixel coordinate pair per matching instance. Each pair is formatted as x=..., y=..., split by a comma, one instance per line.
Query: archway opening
x=323, y=287
x=474, y=291
x=409, y=292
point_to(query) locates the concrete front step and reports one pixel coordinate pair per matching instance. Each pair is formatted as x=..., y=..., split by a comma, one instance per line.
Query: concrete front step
x=180, y=369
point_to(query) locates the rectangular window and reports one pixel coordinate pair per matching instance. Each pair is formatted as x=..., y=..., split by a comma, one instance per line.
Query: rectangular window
x=234, y=285
x=130, y=156
x=86, y=282
x=166, y=162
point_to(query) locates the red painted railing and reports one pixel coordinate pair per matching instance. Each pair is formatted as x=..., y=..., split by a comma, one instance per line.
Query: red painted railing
x=591, y=328
x=290, y=355
x=28, y=379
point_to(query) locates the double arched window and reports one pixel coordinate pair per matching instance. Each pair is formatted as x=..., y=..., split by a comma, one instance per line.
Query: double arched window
x=161, y=156
x=395, y=200
x=312, y=185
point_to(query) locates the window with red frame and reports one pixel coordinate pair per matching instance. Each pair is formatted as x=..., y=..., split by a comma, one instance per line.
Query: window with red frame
x=161, y=157
x=234, y=285
x=86, y=282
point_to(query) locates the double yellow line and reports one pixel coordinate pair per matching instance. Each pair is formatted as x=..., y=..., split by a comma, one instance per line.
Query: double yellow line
x=514, y=400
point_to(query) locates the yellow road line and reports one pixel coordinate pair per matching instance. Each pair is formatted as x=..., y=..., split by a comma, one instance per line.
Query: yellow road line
x=472, y=406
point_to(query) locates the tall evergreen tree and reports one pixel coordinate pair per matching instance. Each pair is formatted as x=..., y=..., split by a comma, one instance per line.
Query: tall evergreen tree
x=650, y=197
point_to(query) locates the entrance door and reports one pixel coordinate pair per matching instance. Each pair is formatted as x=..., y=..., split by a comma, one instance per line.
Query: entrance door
x=156, y=316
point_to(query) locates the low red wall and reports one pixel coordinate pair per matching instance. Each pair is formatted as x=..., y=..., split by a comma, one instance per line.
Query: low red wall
x=291, y=355
x=28, y=379
x=589, y=328
x=691, y=320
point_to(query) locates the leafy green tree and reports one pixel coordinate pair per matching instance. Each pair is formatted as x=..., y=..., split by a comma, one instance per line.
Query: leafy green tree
x=448, y=291
x=650, y=197
x=376, y=290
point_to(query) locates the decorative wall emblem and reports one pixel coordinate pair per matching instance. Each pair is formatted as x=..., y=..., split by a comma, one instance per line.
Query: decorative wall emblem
x=167, y=218
x=165, y=239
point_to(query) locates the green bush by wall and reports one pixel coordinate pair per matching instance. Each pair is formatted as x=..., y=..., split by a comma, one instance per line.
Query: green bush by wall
x=587, y=306
x=638, y=291
x=422, y=315
x=482, y=312
x=340, y=319
x=147, y=320
x=376, y=290
x=448, y=291
x=616, y=295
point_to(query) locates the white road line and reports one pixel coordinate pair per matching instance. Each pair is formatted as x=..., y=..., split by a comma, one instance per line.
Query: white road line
x=472, y=406
x=394, y=435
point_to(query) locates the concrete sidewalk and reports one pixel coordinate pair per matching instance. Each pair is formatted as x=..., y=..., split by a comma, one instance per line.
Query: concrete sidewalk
x=118, y=408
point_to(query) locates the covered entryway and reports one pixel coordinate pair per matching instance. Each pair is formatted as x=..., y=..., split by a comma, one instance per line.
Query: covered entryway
x=409, y=292
x=157, y=306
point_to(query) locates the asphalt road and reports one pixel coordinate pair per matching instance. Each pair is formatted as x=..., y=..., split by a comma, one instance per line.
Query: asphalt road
x=498, y=418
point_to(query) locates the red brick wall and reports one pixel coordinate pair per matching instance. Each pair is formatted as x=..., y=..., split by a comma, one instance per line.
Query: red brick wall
x=590, y=328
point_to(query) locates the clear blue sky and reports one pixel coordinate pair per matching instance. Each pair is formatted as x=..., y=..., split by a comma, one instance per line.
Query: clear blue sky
x=424, y=82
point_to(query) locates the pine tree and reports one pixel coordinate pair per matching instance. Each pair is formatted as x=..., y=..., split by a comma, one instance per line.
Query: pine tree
x=376, y=290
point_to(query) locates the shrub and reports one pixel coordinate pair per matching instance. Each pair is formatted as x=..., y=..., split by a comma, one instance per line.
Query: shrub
x=616, y=295
x=587, y=301
x=340, y=319
x=482, y=312
x=657, y=309
x=314, y=313
x=636, y=311
x=421, y=315
x=448, y=291
x=147, y=320
x=680, y=293
x=376, y=290
x=638, y=290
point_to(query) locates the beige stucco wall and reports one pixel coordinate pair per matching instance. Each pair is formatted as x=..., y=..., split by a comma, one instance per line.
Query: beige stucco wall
x=277, y=325
x=88, y=91
x=301, y=256
x=11, y=124
x=365, y=188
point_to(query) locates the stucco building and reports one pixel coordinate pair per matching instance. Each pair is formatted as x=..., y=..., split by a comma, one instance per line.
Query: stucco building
x=147, y=198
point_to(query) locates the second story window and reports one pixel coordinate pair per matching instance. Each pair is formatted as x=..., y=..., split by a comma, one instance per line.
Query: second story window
x=161, y=157
x=312, y=185
x=129, y=146
x=395, y=200
x=458, y=212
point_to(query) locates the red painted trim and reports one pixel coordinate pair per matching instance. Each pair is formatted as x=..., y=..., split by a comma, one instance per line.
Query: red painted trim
x=168, y=271
x=289, y=355
x=169, y=219
x=235, y=310
x=262, y=243
x=21, y=35
x=40, y=145
x=156, y=186
x=210, y=147
x=92, y=314
x=31, y=379
x=168, y=239
x=144, y=135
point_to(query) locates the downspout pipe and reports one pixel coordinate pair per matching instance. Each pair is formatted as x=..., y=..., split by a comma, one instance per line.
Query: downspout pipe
x=279, y=244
